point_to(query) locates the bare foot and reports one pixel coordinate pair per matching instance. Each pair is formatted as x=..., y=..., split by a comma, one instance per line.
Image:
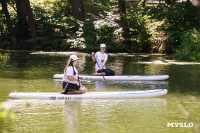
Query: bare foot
x=99, y=74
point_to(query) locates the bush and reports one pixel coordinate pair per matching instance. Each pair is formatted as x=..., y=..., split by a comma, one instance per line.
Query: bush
x=101, y=30
x=54, y=25
x=189, y=50
x=89, y=34
x=106, y=35
x=178, y=17
x=138, y=22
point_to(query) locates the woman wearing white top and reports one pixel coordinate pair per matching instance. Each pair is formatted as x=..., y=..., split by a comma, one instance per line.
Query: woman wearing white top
x=101, y=58
x=71, y=83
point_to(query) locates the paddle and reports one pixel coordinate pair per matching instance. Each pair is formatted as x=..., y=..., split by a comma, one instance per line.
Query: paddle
x=99, y=67
x=79, y=82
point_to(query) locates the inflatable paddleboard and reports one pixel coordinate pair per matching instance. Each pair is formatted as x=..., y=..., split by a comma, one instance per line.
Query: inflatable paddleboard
x=89, y=95
x=119, y=77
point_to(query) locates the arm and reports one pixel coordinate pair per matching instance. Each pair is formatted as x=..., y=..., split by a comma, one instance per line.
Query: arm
x=72, y=78
x=70, y=74
x=93, y=58
x=104, y=63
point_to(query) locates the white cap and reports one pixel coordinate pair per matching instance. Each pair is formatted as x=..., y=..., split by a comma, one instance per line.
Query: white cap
x=102, y=45
x=73, y=57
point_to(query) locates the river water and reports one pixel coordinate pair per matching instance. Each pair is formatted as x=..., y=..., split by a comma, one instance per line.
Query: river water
x=33, y=72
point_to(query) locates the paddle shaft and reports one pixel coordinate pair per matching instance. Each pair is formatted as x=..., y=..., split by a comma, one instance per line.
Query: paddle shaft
x=79, y=81
x=99, y=67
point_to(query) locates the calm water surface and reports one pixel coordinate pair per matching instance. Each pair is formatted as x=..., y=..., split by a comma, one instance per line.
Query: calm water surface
x=28, y=72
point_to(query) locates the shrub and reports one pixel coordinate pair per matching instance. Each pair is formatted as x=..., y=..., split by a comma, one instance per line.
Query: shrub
x=138, y=22
x=189, y=50
x=54, y=25
x=178, y=17
x=89, y=34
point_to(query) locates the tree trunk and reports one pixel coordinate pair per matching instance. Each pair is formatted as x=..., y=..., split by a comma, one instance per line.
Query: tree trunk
x=31, y=20
x=23, y=27
x=197, y=4
x=77, y=9
x=8, y=21
x=123, y=22
x=198, y=12
x=168, y=2
x=144, y=3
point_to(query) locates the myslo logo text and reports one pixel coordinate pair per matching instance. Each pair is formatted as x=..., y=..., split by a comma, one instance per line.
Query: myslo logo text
x=179, y=124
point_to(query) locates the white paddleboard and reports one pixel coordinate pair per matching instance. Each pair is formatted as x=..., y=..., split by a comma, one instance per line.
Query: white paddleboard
x=119, y=77
x=89, y=95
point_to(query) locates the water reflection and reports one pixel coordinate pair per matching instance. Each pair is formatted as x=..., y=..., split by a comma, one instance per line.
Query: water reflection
x=71, y=116
x=4, y=58
x=101, y=85
x=119, y=115
x=163, y=61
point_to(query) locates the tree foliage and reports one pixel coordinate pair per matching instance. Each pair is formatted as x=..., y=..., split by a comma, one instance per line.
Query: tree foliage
x=189, y=50
x=178, y=17
x=133, y=29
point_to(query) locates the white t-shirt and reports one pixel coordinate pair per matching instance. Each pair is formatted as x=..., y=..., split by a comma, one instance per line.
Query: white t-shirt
x=100, y=59
x=70, y=72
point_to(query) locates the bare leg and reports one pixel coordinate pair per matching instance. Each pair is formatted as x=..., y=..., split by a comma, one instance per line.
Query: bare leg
x=99, y=74
x=75, y=92
x=83, y=89
x=80, y=91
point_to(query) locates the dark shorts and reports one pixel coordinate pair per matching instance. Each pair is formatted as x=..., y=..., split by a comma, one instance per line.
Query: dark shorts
x=108, y=72
x=70, y=87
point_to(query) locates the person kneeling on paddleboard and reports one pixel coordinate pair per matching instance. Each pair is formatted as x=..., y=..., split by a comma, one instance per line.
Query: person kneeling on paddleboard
x=71, y=83
x=101, y=58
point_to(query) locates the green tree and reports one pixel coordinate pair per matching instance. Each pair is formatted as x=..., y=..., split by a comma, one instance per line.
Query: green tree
x=8, y=22
x=22, y=23
x=189, y=50
x=89, y=34
x=178, y=17
x=77, y=9
x=25, y=22
x=31, y=20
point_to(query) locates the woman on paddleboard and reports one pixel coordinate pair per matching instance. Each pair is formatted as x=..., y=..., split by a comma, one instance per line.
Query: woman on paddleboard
x=101, y=58
x=71, y=83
